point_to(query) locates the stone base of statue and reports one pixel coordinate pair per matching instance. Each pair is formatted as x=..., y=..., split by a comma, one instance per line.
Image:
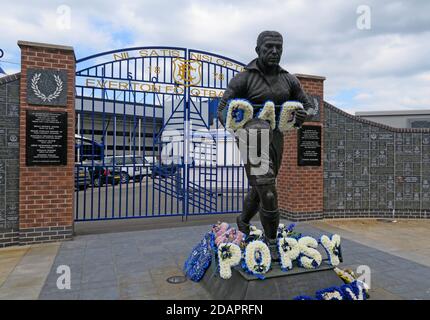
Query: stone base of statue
x=277, y=285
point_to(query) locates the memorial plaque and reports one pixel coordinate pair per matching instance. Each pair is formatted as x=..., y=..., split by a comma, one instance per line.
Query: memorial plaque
x=309, y=146
x=46, y=138
x=47, y=87
x=412, y=179
x=12, y=138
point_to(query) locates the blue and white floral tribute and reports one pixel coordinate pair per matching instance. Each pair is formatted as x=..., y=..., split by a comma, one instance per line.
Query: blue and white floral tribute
x=228, y=248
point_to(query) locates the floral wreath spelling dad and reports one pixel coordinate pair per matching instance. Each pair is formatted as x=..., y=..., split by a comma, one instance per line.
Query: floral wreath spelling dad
x=229, y=248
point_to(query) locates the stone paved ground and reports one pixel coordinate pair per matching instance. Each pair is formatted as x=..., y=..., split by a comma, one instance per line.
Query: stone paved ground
x=23, y=270
x=409, y=239
x=135, y=265
x=392, y=277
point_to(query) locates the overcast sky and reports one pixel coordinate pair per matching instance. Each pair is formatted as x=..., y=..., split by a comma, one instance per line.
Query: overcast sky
x=386, y=67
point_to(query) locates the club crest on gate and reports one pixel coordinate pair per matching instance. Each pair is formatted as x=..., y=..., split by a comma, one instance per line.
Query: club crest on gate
x=187, y=72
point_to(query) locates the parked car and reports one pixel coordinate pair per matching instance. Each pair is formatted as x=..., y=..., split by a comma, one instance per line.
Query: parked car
x=129, y=167
x=87, y=149
x=82, y=178
x=96, y=174
x=103, y=174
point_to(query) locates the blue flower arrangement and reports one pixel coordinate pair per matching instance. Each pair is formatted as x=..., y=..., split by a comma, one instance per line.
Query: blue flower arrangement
x=331, y=293
x=351, y=291
x=200, y=259
x=354, y=291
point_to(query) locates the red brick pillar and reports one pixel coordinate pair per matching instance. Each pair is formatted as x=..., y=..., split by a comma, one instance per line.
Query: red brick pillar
x=46, y=191
x=300, y=188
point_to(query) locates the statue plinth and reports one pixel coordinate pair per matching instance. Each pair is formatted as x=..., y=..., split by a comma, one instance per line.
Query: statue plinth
x=277, y=285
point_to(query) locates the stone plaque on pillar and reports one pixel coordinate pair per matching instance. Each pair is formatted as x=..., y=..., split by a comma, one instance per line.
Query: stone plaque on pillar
x=47, y=87
x=309, y=146
x=46, y=138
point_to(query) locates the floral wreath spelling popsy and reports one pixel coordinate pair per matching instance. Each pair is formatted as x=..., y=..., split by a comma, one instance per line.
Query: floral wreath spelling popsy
x=228, y=248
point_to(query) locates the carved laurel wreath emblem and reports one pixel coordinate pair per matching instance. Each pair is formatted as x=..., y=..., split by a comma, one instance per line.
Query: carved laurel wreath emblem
x=41, y=95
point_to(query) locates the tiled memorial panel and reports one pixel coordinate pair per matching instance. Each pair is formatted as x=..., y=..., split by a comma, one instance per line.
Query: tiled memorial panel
x=371, y=170
x=9, y=154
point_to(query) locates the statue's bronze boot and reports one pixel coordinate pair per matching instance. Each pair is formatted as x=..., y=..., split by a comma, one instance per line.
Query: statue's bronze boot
x=270, y=222
x=243, y=226
x=251, y=204
x=273, y=247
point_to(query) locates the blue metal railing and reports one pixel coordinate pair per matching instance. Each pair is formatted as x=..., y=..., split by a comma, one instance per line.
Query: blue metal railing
x=130, y=178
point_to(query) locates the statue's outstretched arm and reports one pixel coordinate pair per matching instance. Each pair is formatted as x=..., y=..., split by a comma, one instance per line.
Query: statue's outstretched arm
x=236, y=89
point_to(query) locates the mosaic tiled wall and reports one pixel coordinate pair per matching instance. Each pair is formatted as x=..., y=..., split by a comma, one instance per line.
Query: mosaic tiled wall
x=9, y=154
x=372, y=170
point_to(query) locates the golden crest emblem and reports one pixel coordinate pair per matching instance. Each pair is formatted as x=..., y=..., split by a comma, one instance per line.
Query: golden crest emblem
x=187, y=72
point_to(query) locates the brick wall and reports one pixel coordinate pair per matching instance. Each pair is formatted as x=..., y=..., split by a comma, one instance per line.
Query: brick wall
x=46, y=192
x=300, y=189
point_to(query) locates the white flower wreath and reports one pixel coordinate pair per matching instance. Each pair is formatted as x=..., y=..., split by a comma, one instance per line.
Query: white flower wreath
x=261, y=265
x=229, y=255
x=257, y=233
x=289, y=251
x=332, y=295
x=268, y=113
x=35, y=79
x=331, y=246
x=234, y=106
x=309, y=258
x=287, y=119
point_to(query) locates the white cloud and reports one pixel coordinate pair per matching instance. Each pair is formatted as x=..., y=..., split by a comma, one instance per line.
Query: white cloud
x=387, y=66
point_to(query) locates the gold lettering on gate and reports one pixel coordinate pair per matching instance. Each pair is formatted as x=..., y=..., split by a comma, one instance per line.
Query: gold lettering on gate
x=121, y=55
x=138, y=86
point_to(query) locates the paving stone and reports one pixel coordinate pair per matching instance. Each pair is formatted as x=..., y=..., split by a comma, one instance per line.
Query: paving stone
x=20, y=293
x=108, y=293
x=99, y=274
x=125, y=252
x=90, y=260
x=135, y=277
x=132, y=267
x=59, y=295
x=138, y=290
x=98, y=252
x=73, y=245
x=98, y=284
x=98, y=243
